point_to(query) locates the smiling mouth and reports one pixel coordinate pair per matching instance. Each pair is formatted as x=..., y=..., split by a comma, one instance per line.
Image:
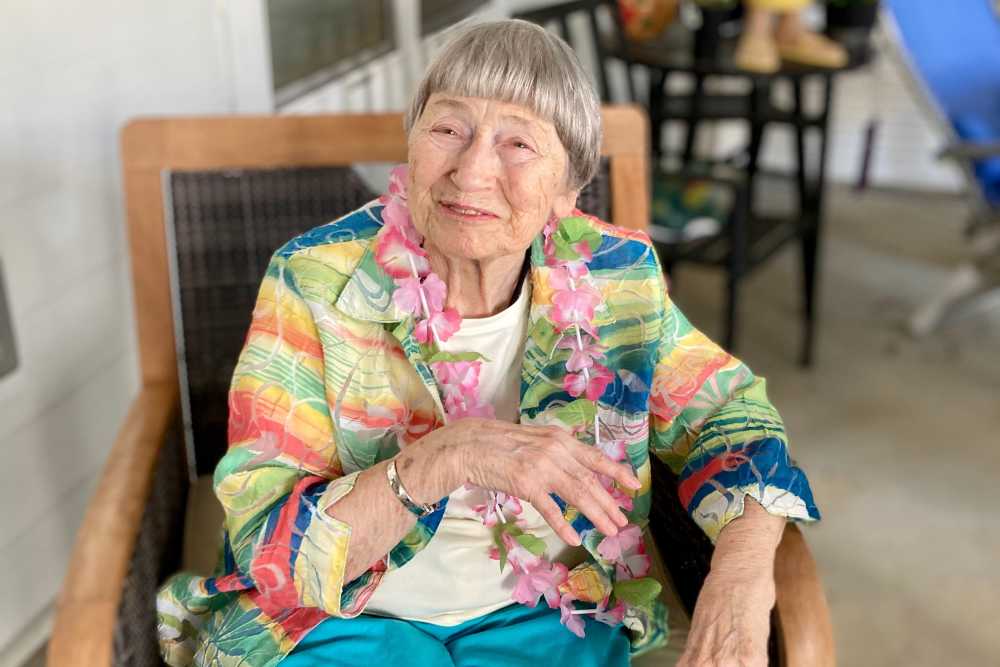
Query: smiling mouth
x=466, y=211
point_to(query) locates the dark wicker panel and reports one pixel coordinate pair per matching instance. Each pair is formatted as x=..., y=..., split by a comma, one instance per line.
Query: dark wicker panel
x=157, y=555
x=686, y=550
x=226, y=226
x=595, y=198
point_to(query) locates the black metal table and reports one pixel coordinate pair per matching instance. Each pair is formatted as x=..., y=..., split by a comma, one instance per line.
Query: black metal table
x=752, y=238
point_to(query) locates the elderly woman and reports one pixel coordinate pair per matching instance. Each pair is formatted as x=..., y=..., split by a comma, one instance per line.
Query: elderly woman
x=441, y=421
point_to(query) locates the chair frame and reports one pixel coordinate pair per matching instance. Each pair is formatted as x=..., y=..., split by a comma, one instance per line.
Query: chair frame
x=972, y=284
x=89, y=601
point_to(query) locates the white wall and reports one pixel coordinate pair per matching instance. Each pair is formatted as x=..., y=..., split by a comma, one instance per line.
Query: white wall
x=71, y=73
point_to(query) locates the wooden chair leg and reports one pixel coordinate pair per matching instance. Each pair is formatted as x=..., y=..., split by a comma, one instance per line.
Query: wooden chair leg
x=806, y=634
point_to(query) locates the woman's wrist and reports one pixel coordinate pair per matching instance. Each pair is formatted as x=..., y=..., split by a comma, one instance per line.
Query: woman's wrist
x=429, y=469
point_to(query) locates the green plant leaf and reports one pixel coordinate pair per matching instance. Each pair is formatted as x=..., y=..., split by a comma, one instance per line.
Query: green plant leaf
x=578, y=413
x=456, y=356
x=570, y=232
x=637, y=592
x=498, y=531
x=533, y=544
x=544, y=334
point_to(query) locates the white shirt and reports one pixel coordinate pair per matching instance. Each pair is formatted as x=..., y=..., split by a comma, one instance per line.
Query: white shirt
x=452, y=579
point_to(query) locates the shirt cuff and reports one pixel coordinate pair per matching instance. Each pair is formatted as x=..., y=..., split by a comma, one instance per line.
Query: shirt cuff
x=321, y=563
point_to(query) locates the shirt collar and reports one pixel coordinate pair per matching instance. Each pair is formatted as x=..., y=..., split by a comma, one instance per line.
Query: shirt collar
x=368, y=292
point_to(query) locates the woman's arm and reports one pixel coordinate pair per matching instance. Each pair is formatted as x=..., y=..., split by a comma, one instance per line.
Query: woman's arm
x=732, y=618
x=378, y=520
x=529, y=462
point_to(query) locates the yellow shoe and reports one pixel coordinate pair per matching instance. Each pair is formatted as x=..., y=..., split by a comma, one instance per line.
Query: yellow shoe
x=812, y=49
x=757, y=53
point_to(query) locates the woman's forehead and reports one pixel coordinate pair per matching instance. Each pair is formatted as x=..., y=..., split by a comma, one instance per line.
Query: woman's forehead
x=509, y=112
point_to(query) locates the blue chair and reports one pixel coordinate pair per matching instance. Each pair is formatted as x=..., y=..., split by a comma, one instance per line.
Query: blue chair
x=952, y=54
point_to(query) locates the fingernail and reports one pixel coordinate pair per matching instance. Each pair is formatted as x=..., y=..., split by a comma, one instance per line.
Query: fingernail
x=634, y=483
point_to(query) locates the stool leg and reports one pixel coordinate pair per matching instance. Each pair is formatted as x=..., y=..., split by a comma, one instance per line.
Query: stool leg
x=738, y=240
x=813, y=218
x=694, y=118
x=657, y=79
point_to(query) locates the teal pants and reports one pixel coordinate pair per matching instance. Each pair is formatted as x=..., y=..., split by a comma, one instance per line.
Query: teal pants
x=515, y=636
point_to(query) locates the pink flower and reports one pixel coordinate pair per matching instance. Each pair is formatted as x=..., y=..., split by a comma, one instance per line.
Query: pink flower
x=592, y=383
x=398, y=178
x=581, y=357
x=457, y=377
x=519, y=557
x=497, y=504
x=443, y=323
x=633, y=565
x=613, y=546
x=612, y=616
x=583, y=248
x=470, y=407
x=620, y=497
x=575, y=307
x=509, y=503
x=549, y=245
x=567, y=275
x=613, y=449
x=623, y=499
x=396, y=215
x=394, y=253
x=573, y=622
x=407, y=295
x=435, y=290
x=408, y=290
x=575, y=269
x=541, y=579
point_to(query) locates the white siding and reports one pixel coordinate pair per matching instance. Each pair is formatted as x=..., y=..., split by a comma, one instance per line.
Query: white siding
x=72, y=73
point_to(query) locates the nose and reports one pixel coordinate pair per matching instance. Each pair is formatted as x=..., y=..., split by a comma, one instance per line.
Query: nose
x=477, y=166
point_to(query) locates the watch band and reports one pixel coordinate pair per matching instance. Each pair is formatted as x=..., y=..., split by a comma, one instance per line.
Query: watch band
x=418, y=509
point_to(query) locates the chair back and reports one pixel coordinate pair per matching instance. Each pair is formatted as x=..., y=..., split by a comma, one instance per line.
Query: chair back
x=953, y=50
x=210, y=199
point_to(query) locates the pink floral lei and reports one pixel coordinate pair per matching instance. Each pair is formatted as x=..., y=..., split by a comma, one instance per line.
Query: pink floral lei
x=569, y=246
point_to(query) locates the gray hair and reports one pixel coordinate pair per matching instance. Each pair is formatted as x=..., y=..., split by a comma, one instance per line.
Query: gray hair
x=521, y=63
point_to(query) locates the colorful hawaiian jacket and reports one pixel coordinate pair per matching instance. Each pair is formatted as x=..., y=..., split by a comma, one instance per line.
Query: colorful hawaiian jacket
x=331, y=381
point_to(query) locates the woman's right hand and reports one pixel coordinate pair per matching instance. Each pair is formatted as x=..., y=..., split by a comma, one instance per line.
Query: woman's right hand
x=530, y=462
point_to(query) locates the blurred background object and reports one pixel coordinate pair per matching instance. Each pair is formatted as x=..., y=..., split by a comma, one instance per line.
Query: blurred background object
x=966, y=108
x=897, y=432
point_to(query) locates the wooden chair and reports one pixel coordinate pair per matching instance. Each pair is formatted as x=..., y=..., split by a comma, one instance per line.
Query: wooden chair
x=293, y=167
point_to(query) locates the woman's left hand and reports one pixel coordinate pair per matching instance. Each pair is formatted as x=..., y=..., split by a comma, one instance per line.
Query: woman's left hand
x=731, y=621
x=732, y=617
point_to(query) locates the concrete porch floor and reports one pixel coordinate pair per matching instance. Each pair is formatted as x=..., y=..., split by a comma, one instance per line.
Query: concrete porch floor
x=900, y=437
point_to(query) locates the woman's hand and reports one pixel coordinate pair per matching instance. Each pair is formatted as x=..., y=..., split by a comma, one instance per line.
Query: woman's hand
x=531, y=462
x=731, y=622
x=732, y=618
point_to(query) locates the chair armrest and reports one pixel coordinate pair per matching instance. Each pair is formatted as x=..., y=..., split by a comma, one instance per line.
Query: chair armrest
x=87, y=607
x=970, y=150
x=803, y=615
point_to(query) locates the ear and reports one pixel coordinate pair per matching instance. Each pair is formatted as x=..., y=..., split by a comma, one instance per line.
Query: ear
x=563, y=204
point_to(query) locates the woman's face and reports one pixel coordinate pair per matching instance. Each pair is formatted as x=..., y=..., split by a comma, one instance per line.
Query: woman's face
x=485, y=176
